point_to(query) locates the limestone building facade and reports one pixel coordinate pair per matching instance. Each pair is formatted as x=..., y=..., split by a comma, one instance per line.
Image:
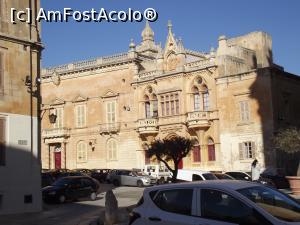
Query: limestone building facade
x=109, y=109
x=20, y=158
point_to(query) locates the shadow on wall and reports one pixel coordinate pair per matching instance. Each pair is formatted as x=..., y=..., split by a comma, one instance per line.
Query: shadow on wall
x=20, y=186
x=278, y=107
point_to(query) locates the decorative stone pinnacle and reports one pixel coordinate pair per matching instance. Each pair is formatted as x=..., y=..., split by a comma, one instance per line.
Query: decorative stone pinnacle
x=170, y=26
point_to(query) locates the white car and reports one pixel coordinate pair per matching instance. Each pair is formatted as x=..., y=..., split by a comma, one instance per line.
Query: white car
x=160, y=172
x=194, y=175
x=220, y=202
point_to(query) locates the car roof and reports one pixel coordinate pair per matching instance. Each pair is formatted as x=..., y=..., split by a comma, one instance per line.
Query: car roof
x=222, y=184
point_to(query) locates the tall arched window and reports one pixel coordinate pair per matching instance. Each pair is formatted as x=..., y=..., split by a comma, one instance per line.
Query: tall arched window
x=112, y=149
x=154, y=106
x=205, y=99
x=147, y=107
x=211, y=150
x=196, y=99
x=81, y=152
x=196, y=152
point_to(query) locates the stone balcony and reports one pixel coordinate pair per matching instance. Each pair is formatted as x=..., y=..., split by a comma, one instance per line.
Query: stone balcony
x=56, y=133
x=107, y=128
x=200, y=119
x=147, y=126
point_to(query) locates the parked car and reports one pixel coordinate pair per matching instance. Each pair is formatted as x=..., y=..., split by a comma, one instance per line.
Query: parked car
x=239, y=175
x=221, y=202
x=130, y=178
x=276, y=176
x=223, y=176
x=71, y=188
x=47, y=179
x=159, y=172
x=194, y=175
x=100, y=174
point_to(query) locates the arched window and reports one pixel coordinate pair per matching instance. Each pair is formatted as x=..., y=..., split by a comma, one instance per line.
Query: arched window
x=145, y=148
x=211, y=150
x=196, y=99
x=112, y=149
x=196, y=152
x=147, y=107
x=154, y=106
x=81, y=152
x=205, y=99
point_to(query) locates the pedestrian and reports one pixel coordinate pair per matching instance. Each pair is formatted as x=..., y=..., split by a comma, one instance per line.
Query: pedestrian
x=255, y=170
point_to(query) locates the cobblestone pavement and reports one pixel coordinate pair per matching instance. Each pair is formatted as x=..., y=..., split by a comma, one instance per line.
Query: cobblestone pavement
x=75, y=213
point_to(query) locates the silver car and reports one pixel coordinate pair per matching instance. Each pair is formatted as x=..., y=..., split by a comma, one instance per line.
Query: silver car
x=130, y=178
x=218, y=202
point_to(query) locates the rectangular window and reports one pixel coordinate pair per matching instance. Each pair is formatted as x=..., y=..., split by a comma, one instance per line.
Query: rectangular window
x=167, y=106
x=246, y=150
x=59, y=118
x=1, y=72
x=155, y=109
x=111, y=112
x=80, y=116
x=244, y=111
x=2, y=141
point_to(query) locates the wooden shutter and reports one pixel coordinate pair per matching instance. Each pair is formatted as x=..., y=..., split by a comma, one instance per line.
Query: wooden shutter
x=253, y=148
x=2, y=141
x=241, y=151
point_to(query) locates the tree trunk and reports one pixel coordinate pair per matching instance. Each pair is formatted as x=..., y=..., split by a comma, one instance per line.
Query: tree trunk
x=175, y=172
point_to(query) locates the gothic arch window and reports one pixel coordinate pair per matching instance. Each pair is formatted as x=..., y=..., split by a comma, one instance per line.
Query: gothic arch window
x=205, y=98
x=154, y=106
x=196, y=97
x=112, y=148
x=196, y=152
x=147, y=107
x=211, y=150
x=81, y=151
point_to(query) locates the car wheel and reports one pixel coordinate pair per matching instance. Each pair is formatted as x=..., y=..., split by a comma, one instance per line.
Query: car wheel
x=161, y=181
x=93, y=196
x=140, y=183
x=116, y=183
x=62, y=199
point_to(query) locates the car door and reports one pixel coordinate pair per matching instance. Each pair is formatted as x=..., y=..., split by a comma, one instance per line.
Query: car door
x=172, y=207
x=215, y=207
x=73, y=189
x=86, y=187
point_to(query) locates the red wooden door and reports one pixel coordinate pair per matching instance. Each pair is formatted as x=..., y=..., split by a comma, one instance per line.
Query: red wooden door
x=180, y=164
x=57, y=159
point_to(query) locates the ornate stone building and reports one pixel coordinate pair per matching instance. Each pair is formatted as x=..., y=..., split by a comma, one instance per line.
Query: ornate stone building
x=109, y=109
x=20, y=158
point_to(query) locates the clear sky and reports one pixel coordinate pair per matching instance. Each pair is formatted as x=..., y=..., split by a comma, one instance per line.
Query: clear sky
x=198, y=23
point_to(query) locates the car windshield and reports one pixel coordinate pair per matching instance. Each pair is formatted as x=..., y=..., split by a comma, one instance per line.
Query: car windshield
x=209, y=176
x=62, y=182
x=276, y=203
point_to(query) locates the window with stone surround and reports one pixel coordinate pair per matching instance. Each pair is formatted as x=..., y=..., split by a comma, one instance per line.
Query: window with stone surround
x=246, y=150
x=244, y=111
x=1, y=72
x=111, y=112
x=170, y=104
x=205, y=100
x=2, y=141
x=196, y=153
x=80, y=111
x=196, y=102
x=211, y=150
x=81, y=152
x=59, y=122
x=112, y=149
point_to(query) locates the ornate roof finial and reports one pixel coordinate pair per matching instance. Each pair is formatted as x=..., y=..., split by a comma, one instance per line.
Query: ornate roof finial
x=132, y=44
x=148, y=34
x=169, y=25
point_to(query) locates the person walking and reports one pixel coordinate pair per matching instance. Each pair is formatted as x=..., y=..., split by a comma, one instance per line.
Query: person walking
x=255, y=170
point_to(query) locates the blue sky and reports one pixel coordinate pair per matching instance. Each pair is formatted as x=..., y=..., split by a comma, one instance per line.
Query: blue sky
x=198, y=23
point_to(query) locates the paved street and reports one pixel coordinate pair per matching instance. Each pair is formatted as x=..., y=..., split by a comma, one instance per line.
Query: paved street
x=75, y=213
